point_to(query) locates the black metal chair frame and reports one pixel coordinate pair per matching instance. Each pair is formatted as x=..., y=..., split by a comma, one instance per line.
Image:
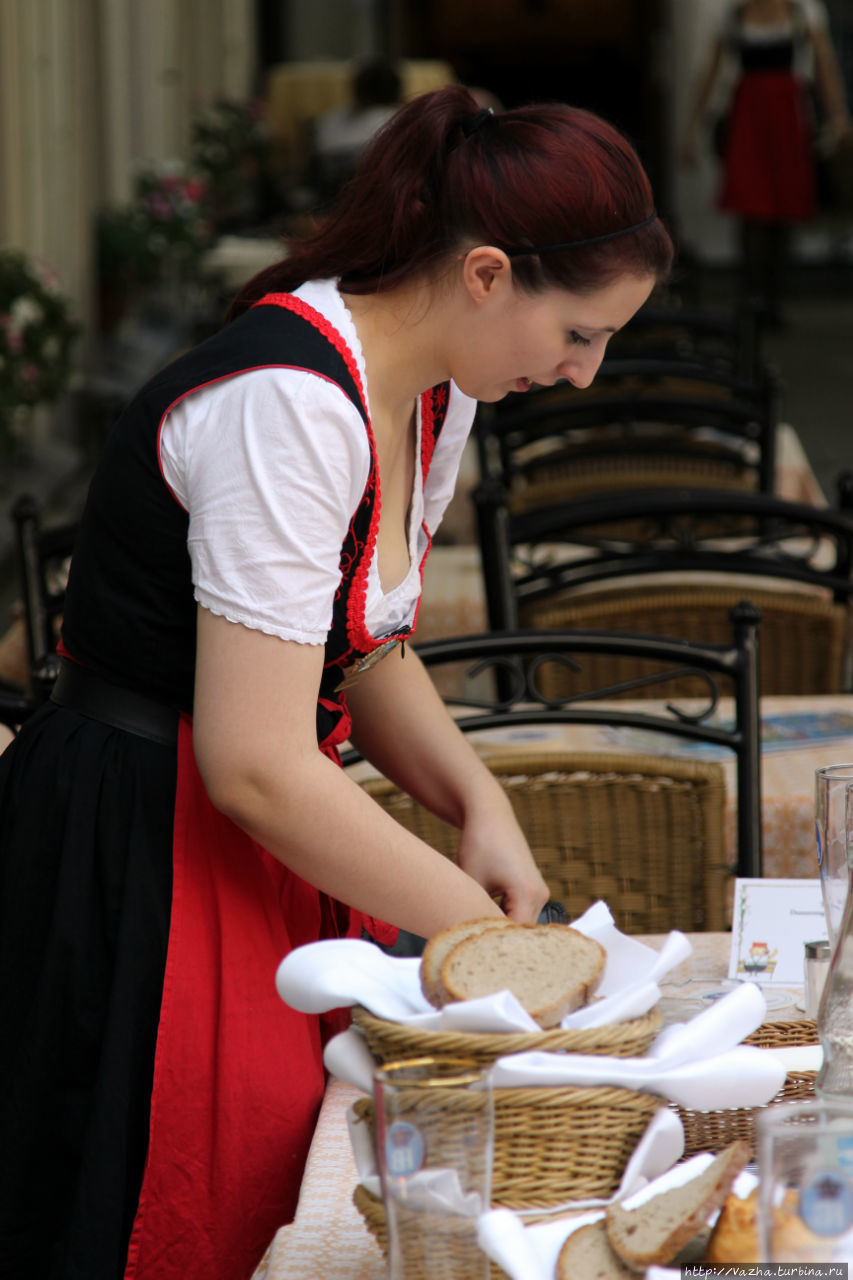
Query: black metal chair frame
x=515, y=657
x=725, y=341
x=744, y=420
x=37, y=549
x=684, y=531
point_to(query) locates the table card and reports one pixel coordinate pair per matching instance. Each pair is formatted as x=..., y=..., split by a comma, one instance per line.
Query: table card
x=771, y=922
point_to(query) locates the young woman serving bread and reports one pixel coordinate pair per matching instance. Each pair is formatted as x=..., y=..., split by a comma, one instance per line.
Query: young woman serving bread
x=176, y=820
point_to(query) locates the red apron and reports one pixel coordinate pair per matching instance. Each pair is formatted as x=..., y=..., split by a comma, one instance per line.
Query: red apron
x=238, y=1075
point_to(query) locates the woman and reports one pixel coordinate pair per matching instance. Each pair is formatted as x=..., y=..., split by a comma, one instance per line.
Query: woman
x=767, y=145
x=256, y=528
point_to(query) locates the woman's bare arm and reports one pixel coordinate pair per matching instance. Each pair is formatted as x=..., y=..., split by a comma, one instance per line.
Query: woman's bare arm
x=254, y=729
x=401, y=724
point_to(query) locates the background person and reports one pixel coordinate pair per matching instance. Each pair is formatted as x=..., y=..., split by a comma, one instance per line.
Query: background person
x=767, y=139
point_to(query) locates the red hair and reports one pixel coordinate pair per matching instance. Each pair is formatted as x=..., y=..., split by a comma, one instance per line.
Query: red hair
x=536, y=175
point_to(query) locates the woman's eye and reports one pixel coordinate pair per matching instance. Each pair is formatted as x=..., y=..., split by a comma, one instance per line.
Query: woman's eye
x=577, y=339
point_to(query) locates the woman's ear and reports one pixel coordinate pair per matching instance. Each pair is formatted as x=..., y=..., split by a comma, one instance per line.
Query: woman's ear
x=485, y=270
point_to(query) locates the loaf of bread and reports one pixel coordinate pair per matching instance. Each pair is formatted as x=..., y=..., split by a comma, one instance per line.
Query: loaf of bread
x=550, y=968
x=587, y=1255
x=656, y=1230
x=436, y=950
x=735, y=1235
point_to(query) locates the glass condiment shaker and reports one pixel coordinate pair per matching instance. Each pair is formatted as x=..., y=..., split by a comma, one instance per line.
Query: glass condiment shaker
x=815, y=969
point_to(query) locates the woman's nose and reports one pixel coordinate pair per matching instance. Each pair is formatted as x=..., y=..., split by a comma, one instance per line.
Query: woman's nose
x=581, y=367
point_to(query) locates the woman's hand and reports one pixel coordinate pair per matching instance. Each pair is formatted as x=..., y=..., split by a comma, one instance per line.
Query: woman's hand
x=495, y=853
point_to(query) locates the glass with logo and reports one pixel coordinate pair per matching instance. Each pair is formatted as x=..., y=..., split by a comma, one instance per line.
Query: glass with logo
x=805, y=1192
x=434, y=1136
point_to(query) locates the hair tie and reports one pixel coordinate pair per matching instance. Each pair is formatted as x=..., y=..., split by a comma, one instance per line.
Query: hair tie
x=579, y=244
x=476, y=121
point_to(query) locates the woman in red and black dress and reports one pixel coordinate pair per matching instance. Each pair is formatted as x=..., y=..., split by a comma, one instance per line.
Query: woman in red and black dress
x=768, y=143
x=256, y=528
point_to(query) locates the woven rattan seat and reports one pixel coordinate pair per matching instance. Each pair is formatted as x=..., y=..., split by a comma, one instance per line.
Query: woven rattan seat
x=803, y=637
x=643, y=833
x=672, y=562
x=559, y=480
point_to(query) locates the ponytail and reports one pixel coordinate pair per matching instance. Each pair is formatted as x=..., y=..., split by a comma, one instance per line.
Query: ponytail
x=442, y=175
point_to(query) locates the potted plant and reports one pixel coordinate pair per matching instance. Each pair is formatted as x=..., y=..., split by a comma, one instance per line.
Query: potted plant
x=161, y=235
x=229, y=149
x=37, y=332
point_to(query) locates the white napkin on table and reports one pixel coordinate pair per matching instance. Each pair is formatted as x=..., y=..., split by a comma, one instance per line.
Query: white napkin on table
x=345, y=971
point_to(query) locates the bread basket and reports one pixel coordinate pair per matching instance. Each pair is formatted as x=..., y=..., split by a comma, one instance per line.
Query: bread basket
x=713, y=1130
x=390, y=1041
x=551, y=1145
x=456, y=1257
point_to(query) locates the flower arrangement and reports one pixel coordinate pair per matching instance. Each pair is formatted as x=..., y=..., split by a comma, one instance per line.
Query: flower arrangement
x=229, y=149
x=37, y=332
x=166, y=225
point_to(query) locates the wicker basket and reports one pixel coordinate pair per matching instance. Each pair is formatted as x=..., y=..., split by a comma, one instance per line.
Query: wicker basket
x=452, y=1257
x=553, y=1145
x=713, y=1130
x=390, y=1041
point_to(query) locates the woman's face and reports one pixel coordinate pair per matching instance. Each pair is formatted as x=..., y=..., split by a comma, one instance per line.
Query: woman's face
x=519, y=338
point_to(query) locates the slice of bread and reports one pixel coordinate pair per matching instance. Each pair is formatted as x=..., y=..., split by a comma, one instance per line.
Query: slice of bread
x=654, y=1232
x=436, y=950
x=549, y=968
x=587, y=1255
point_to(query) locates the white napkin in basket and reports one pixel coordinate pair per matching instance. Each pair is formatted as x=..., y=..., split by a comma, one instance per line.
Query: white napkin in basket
x=700, y=1065
x=346, y=971
x=530, y=1252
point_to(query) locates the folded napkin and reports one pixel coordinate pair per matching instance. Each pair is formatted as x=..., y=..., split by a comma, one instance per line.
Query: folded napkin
x=346, y=971
x=699, y=1064
x=531, y=1252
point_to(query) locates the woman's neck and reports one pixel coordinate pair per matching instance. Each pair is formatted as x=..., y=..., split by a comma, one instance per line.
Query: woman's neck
x=402, y=335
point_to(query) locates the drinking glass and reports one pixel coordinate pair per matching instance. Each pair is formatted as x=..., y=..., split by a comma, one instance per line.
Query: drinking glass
x=805, y=1190
x=434, y=1134
x=831, y=784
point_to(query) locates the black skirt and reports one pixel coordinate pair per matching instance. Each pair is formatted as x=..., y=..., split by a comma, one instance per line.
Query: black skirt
x=86, y=816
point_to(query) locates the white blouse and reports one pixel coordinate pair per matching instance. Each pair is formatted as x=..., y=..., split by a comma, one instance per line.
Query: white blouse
x=270, y=465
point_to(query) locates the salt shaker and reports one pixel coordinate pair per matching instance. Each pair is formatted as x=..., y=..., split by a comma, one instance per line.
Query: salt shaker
x=817, y=959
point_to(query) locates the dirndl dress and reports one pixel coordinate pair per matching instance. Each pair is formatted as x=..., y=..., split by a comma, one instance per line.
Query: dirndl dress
x=769, y=172
x=157, y=1098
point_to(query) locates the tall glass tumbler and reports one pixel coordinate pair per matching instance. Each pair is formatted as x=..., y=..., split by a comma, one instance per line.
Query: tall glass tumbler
x=805, y=1190
x=434, y=1134
x=831, y=783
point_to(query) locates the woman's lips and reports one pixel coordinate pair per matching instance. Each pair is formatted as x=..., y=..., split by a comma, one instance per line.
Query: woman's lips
x=523, y=384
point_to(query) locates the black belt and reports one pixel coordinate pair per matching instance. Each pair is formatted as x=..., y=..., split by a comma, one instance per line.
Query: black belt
x=81, y=690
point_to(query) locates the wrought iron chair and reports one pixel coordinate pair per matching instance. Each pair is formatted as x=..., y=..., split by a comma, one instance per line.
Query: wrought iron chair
x=639, y=829
x=727, y=342
x=643, y=423
x=672, y=562
x=43, y=554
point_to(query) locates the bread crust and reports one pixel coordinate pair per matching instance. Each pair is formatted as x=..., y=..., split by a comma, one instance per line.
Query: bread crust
x=584, y=960
x=622, y=1223
x=587, y=1255
x=440, y=944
